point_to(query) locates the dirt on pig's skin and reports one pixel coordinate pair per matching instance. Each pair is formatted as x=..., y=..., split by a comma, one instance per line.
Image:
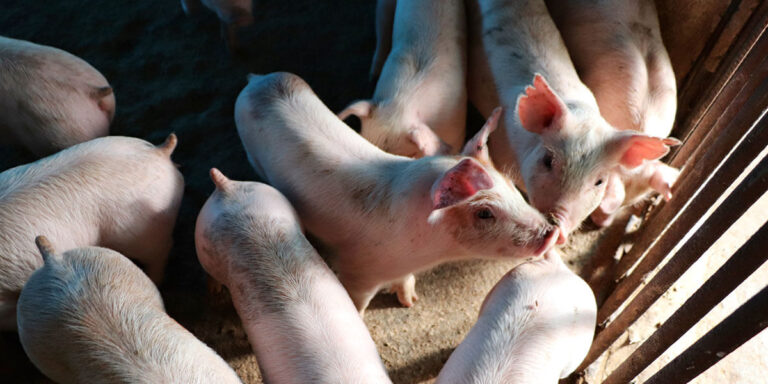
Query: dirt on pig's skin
x=173, y=73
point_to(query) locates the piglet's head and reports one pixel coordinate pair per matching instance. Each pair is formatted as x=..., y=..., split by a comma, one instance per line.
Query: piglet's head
x=566, y=170
x=481, y=209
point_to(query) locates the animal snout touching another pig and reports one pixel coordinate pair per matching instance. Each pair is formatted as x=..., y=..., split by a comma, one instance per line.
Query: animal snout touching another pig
x=301, y=323
x=377, y=215
x=116, y=192
x=50, y=99
x=89, y=315
x=535, y=326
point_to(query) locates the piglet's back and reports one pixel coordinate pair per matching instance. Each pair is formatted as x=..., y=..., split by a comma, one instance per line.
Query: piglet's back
x=107, y=323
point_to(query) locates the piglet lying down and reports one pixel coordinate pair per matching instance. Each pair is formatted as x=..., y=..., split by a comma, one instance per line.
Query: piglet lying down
x=90, y=315
x=301, y=323
x=377, y=216
x=535, y=326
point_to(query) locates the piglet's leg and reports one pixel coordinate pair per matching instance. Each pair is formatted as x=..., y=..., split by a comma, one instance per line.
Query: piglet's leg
x=663, y=179
x=405, y=290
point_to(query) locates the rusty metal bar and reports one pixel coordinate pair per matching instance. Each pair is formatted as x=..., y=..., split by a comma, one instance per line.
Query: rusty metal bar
x=729, y=99
x=738, y=267
x=654, y=242
x=743, y=324
x=748, y=191
x=698, y=80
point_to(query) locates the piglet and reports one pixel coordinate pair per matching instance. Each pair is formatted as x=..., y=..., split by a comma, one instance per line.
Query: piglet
x=90, y=315
x=377, y=216
x=299, y=319
x=233, y=14
x=420, y=103
x=49, y=98
x=116, y=192
x=535, y=326
x=618, y=53
x=555, y=143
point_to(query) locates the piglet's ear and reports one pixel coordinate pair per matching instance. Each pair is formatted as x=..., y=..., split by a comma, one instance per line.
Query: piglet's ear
x=477, y=147
x=459, y=183
x=633, y=149
x=360, y=108
x=427, y=142
x=540, y=109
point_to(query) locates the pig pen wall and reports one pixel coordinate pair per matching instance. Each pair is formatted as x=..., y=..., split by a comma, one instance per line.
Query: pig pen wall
x=172, y=73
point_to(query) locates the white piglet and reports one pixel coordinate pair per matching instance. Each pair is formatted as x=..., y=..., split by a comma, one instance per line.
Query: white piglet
x=49, y=98
x=116, y=192
x=376, y=216
x=90, y=315
x=420, y=104
x=535, y=327
x=555, y=143
x=618, y=53
x=299, y=319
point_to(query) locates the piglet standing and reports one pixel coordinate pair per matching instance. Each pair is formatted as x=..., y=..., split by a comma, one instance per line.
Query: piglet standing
x=117, y=192
x=49, y=98
x=376, y=216
x=299, y=319
x=535, y=326
x=233, y=14
x=618, y=52
x=555, y=143
x=91, y=316
x=420, y=103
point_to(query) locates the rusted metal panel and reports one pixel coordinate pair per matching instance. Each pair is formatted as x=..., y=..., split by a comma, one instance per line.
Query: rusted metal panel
x=743, y=324
x=702, y=88
x=742, y=264
x=729, y=211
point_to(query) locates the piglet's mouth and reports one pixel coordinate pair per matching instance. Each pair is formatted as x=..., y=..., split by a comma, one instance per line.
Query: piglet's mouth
x=551, y=237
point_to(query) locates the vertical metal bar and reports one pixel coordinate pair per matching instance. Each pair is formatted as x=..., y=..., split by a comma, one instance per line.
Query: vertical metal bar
x=743, y=324
x=655, y=240
x=693, y=84
x=728, y=212
x=721, y=82
x=738, y=267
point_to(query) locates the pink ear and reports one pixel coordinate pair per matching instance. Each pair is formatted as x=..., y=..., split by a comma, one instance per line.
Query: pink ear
x=460, y=183
x=477, y=147
x=636, y=148
x=540, y=107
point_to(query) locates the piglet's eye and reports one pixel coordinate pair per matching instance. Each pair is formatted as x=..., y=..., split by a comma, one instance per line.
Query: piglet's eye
x=599, y=181
x=484, y=214
x=547, y=161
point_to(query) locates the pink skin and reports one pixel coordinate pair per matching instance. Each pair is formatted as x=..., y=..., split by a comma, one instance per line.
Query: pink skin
x=420, y=103
x=377, y=216
x=300, y=321
x=116, y=192
x=535, y=326
x=50, y=99
x=107, y=323
x=234, y=14
x=619, y=54
x=556, y=146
